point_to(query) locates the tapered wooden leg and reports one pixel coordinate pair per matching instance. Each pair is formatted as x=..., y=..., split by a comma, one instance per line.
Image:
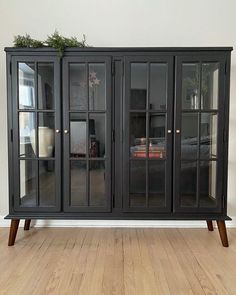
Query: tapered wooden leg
x=13, y=231
x=210, y=225
x=27, y=224
x=223, y=232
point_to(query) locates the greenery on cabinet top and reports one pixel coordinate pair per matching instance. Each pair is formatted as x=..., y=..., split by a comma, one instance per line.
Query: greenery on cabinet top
x=55, y=40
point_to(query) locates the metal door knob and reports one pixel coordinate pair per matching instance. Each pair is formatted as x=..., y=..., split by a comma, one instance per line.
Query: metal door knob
x=168, y=131
x=57, y=131
x=66, y=131
x=177, y=131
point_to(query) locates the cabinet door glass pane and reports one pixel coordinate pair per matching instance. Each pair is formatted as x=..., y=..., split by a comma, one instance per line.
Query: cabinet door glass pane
x=46, y=135
x=28, y=179
x=210, y=85
x=208, y=135
x=78, y=192
x=190, y=86
x=158, y=86
x=138, y=135
x=208, y=183
x=97, y=135
x=78, y=135
x=189, y=136
x=97, y=180
x=78, y=87
x=27, y=134
x=26, y=85
x=157, y=136
x=45, y=86
x=188, y=183
x=138, y=91
x=137, y=184
x=156, y=178
x=97, y=86
x=46, y=183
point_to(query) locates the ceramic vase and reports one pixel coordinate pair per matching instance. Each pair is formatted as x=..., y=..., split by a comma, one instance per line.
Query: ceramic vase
x=45, y=141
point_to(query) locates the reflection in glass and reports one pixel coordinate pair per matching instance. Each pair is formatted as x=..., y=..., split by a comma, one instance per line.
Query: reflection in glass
x=157, y=136
x=189, y=135
x=208, y=135
x=158, y=86
x=78, y=183
x=138, y=135
x=78, y=135
x=208, y=183
x=46, y=183
x=78, y=86
x=188, y=183
x=45, y=86
x=46, y=135
x=137, y=184
x=156, y=178
x=97, y=134
x=28, y=176
x=190, y=86
x=97, y=86
x=26, y=85
x=210, y=85
x=26, y=133
x=138, y=91
x=97, y=183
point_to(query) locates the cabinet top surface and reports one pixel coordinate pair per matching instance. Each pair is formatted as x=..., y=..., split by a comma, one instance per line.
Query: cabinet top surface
x=120, y=49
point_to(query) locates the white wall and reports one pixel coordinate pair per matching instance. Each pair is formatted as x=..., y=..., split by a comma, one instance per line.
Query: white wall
x=121, y=23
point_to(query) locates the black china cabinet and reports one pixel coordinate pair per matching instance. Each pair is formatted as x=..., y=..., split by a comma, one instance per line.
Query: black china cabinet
x=118, y=133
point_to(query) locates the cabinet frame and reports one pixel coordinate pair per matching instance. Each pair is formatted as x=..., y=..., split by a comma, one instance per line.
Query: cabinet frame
x=66, y=137
x=15, y=132
x=117, y=55
x=222, y=102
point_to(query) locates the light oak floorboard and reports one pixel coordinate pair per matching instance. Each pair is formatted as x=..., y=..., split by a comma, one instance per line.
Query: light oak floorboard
x=117, y=261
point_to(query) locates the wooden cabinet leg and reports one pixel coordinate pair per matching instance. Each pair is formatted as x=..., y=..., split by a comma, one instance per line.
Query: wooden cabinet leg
x=222, y=232
x=27, y=224
x=210, y=225
x=13, y=231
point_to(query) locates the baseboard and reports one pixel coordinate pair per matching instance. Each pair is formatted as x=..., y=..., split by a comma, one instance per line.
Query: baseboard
x=118, y=223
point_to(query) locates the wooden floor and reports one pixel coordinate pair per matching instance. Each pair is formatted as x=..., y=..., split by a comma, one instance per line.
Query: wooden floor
x=117, y=261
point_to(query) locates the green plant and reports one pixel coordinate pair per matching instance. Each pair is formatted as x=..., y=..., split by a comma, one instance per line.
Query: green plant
x=59, y=42
x=55, y=40
x=27, y=41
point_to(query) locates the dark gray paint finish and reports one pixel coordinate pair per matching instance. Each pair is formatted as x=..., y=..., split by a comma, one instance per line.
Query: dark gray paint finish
x=55, y=60
x=66, y=143
x=117, y=55
x=177, y=137
x=168, y=174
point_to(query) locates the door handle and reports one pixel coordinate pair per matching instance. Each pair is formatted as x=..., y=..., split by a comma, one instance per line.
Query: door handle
x=177, y=131
x=66, y=131
x=57, y=131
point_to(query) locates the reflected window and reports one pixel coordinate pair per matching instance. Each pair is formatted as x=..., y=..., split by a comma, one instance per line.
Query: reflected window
x=26, y=88
x=78, y=135
x=27, y=134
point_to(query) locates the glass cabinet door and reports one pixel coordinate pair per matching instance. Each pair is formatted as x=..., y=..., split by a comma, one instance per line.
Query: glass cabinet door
x=199, y=133
x=87, y=134
x=147, y=131
x=36, y=127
